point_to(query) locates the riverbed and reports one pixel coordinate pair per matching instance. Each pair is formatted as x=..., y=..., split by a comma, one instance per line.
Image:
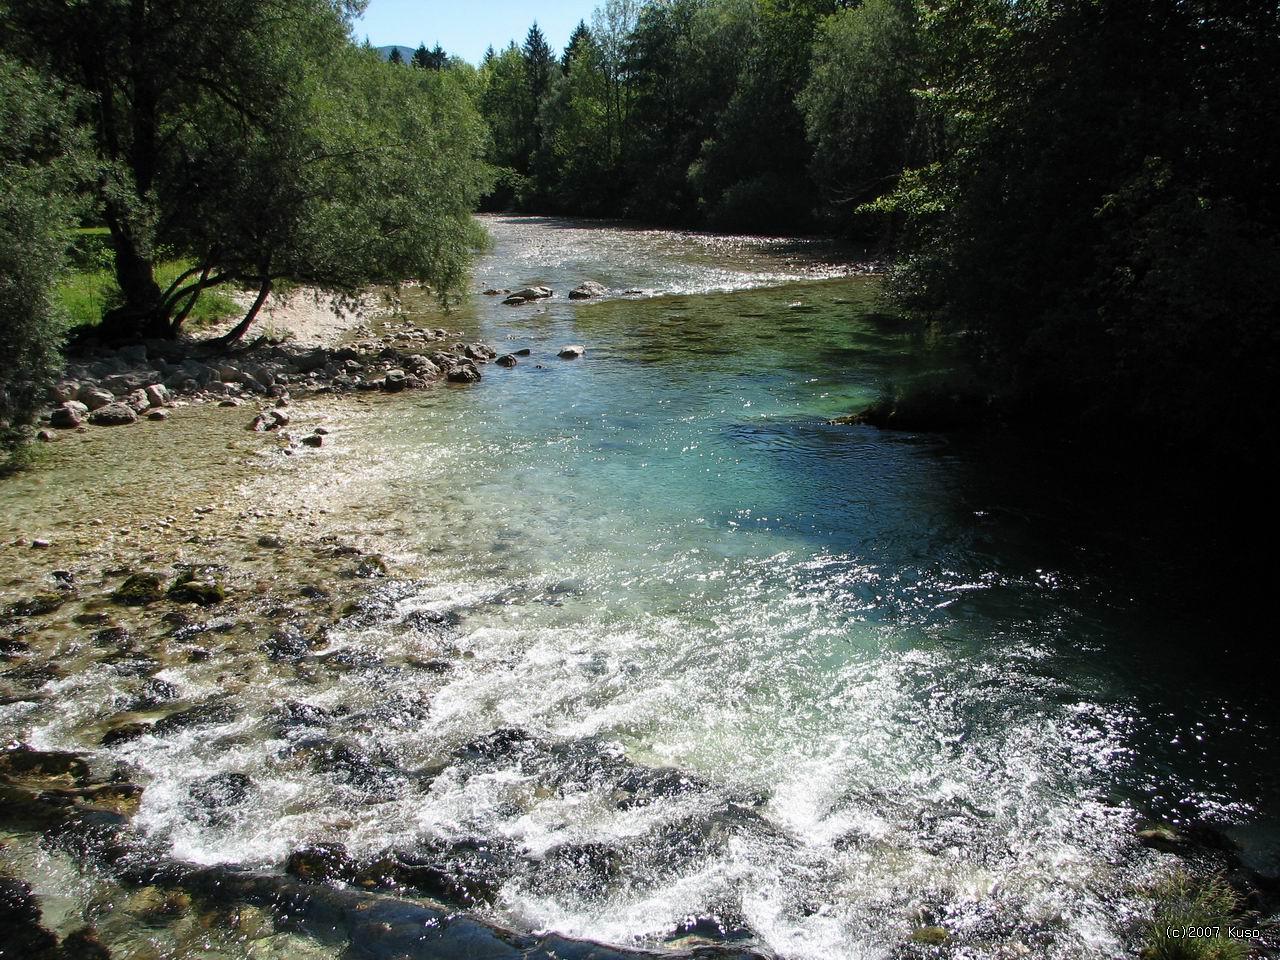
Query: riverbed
x=681, y=656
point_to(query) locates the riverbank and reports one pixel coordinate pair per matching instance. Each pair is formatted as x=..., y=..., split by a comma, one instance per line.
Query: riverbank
x=634, y=648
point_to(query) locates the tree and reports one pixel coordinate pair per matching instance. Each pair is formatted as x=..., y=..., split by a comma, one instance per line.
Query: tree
x=539, y=62
x=573, y=167
x=395, y=58
x=198, y=108
x=1104, y=219
x=421, y=57
x=41, y=163
x=504, y=103
x=861, y=115
x=581, y=35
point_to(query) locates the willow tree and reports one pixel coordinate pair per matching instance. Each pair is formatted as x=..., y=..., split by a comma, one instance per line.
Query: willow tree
x=251, y=138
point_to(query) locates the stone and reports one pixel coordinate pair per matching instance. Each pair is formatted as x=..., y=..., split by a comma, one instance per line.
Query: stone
x=523, y=352
x=395, y=381
x=587, y=290
x=506, y=360
x=321, y=863
x=205, y=592
x=36, y=606
x=534, y=293
x=492, y=292
x=313, y=440
x=93, y=396
x=52, y=767
x=371, y=567
x=158, y=395
x=270, y=541
x=63, y=390
x=113, y=415
x=465, y=372
x=137, y=400
x=139, y=589
x=158, y=415
x=929, y=936
x=68, y=416
x=571, y=351
x=46, y=436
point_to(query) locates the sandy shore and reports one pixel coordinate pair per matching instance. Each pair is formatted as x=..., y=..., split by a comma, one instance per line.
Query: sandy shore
x=309, y=316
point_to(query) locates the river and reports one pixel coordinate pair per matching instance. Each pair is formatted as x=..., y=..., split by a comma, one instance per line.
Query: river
x=681, y=648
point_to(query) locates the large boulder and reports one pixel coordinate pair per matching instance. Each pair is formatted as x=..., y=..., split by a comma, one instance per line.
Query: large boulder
x=158, y=395
x=529, y=294
x=587, y=290
x=395, y=381
x=571, y=351
x=465, y=372
x=137, y=400
x=113, y=415
x=68, y=416
x=93, y=396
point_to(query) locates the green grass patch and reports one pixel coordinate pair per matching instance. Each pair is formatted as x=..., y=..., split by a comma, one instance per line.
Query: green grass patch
x=1193, y=919
x=87, y=293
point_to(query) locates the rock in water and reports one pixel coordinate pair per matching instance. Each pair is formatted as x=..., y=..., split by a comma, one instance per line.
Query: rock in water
x=113, y=415
x=571, y=351
x=587, y=290
x=395, y=381
x=506, y=360
x=534, y=293
x=463, y=373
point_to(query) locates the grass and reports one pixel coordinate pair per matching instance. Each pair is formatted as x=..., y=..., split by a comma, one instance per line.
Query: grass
x=90, y=289
x=1192, y=919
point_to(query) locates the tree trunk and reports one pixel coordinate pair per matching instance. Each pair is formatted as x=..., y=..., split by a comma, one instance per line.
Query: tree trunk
x=141, y=316
x=241, y=328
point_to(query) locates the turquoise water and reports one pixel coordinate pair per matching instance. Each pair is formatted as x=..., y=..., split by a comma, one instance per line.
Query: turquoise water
x=901, y=680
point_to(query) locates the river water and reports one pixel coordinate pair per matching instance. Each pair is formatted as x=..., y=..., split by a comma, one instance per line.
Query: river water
x=684, y=649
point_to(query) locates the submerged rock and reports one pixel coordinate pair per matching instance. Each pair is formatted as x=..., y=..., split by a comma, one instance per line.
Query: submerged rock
x=205, y=592
x=38, y=605
x=140, y=589
x=571, y=351
x=506, y=360
x=321, y=863
x=44, y=767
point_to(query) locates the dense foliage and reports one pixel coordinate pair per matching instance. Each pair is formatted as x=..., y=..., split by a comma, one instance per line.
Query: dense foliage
x=41, y=163
x=254, y=140
x=1087, y=189
x=1103, y=219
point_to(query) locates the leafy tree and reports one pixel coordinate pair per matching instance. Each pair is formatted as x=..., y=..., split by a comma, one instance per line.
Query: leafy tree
x=861, y=115
x=1104, y=217
x=41, y=163
x=504, y=104
x=573, y=165
x=203, y=115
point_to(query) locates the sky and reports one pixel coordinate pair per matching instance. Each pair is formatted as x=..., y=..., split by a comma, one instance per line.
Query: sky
x=466, y=27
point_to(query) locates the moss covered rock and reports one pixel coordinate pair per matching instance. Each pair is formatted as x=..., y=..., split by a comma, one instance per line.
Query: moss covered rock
x=139, y=589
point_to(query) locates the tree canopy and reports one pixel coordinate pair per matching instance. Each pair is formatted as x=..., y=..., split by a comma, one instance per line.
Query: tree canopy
x=256, y=141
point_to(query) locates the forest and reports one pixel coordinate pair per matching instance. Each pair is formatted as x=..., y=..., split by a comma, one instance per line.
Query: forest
x=1085, y=190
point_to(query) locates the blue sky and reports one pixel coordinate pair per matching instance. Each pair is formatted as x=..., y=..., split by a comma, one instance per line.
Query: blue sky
x=466, y=27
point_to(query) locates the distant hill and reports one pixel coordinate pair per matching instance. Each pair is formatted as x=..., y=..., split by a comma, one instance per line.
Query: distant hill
x=405, y=52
